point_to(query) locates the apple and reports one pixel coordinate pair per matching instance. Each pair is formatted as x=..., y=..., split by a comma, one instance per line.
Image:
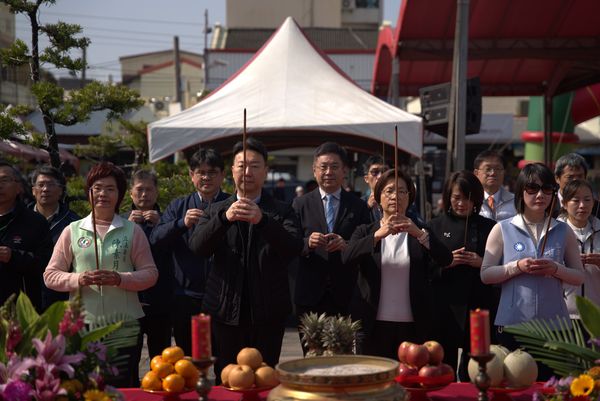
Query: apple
x=430, y=371
x=417, y=355
x=403, y=350
x=446, y=369
x=436, y=352
x=407, y=370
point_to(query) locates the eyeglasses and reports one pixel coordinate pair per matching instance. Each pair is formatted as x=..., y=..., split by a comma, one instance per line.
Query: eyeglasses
x=490, y=170
x=209, y=173
x=6, y=180
x=390, y=191
x=325, y=167
x=106, y=190
x=532, y=188
x=46, y=184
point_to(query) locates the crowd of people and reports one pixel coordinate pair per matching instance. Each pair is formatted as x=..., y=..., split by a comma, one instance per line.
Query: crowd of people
x=522, y=256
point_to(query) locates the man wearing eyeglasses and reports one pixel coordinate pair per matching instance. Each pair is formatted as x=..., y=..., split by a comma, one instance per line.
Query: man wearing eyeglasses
x=49, y=187
x=328, y=215
x=498, y=203
x=373, y=168
x=206, y=171
x=25, y=242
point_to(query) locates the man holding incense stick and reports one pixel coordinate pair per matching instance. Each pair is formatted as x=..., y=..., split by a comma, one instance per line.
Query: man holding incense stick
x=252, y=238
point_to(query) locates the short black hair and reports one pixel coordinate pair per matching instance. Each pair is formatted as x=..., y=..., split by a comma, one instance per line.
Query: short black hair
x=251, y=144
x=16, y=173
x=51, y=172
x=527, y=175
x=486, y=155
x=332, y=147
x=389, y=176
x=373, y=159
x=468, y=184
x=144, y=175
x=209, y=156
x=570, y=160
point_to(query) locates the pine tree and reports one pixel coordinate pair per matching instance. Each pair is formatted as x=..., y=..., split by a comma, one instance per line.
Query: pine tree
x=55, y=107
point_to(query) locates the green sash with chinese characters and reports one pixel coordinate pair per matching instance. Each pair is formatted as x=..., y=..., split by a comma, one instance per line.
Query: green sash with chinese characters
x=114, y=253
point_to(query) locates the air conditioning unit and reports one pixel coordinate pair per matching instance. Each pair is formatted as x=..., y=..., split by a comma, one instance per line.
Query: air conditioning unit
x=348, y=5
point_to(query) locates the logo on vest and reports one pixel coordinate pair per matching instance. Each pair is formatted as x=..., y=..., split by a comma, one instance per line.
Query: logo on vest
x=519, y=246
x=84, y=242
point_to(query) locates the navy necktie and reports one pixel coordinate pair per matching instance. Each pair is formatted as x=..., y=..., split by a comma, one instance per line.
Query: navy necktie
x=330, y=213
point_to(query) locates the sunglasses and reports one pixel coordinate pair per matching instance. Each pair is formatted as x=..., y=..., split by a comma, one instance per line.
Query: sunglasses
x=532, y=188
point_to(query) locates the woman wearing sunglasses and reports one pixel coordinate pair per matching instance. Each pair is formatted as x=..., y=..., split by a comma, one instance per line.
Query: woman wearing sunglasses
x=578, y=201
x=530, y=268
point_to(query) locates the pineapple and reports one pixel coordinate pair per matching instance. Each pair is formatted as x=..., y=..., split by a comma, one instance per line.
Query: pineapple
x=311, y=328
x=339, y=335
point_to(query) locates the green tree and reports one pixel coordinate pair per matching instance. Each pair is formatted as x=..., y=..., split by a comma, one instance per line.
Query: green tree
x=55, y=107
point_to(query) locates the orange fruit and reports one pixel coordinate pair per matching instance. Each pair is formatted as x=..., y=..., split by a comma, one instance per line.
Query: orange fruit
x=151, y=381
x=190, y=382
x=249, y=356
x=156, y=360
x=186, y=368
x=173, y=382
x=163, y=369
x=172, y=354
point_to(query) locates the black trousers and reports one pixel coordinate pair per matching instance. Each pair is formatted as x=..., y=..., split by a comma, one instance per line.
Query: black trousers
x=267, y=338
x=157, y=328
x=184, y=308
x=385, y=337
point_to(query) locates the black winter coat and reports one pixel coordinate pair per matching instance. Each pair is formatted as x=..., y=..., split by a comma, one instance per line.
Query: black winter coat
x=250, y=261
x=362, y=251
x=27, y=234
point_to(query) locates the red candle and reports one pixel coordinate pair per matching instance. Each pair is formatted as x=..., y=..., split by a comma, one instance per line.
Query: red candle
x=480, y=332
x=201, y=348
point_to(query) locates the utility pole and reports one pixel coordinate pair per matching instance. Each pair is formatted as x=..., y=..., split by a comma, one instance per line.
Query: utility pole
x=178, y=94
x=207, y=30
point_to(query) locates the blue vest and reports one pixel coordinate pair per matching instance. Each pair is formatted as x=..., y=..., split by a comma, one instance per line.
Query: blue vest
x=526, y=296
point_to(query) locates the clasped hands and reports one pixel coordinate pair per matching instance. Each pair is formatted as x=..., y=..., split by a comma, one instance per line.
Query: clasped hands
x=99, y=277
x=537, y=267
x=397, y=224
x=461, y=256
x=331, y=242
x=139, y=216
x=244, y=209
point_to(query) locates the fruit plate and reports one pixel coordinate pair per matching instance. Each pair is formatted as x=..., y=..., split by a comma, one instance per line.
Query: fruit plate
x=249, y=394
x=425, y=382
x=420, y=393
x=502, y=393
x=169, y=395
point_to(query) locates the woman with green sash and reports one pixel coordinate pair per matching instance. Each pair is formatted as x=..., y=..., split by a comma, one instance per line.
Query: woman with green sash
x=110, y=272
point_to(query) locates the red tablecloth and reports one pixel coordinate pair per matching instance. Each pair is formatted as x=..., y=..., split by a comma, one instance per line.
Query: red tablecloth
x=453, y=392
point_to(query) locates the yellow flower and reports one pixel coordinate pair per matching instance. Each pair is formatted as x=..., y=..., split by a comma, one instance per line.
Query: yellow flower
x=583, y=385
x=72, y=386
x=95, y=395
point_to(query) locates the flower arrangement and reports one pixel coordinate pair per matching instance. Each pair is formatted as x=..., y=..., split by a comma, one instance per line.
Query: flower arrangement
x=561, y=345
x=52, y=356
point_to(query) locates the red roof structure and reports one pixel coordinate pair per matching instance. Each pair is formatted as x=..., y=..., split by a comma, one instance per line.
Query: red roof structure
x=516, y=47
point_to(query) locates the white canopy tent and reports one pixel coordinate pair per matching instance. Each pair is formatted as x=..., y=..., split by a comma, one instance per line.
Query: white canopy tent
x=293, y=91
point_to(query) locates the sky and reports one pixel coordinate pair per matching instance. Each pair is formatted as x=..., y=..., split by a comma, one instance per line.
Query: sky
x=120, y=28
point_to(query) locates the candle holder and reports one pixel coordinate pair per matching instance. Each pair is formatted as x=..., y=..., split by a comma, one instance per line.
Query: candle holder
x=482, y=381
x=203, y=385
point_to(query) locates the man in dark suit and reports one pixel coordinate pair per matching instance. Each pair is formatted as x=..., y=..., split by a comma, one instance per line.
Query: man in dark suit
x=329, y=216
x=172, y=233
x=252, y=237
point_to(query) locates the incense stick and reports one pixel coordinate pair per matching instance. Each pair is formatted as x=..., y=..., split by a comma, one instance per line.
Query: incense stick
x=95, y=235
x=396, y=164
x=548, y=225
x=244, y=157
x=383, y=148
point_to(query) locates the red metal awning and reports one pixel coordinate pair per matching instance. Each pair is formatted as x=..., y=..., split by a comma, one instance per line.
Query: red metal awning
x=32, y=154
x=516, y=47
